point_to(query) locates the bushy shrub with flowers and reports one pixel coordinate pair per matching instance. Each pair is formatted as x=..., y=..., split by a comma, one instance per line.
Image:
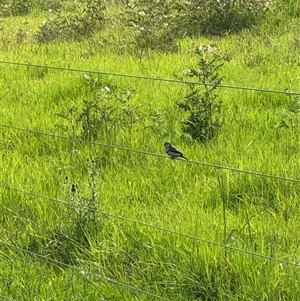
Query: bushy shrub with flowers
x=74, y=23
x=159, y=23
x=154, y=23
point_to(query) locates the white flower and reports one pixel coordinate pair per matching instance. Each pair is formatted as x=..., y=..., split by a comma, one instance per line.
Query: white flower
x=281, y=266
x=186, y=72
x=105, y=90
x=211, y=49
x=50, y=10
x=44, y=22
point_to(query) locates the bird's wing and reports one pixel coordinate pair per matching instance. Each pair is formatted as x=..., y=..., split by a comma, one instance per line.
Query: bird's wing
x=173, y=154
x=175, y=150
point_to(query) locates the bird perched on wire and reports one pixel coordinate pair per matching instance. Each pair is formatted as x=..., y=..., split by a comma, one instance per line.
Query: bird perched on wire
x=173, y=152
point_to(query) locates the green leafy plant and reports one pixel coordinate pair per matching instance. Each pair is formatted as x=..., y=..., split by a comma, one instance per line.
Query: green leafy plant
x=106, y=114
x=84, y=215
x=290, y=118
x=201, y=103
x=72, y=240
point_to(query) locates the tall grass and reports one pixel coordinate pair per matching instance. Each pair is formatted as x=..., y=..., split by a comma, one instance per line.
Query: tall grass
x=61, y=232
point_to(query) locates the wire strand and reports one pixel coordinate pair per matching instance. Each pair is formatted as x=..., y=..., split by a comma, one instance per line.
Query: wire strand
x=151, y=78
x=213, y=165
x=111, y=215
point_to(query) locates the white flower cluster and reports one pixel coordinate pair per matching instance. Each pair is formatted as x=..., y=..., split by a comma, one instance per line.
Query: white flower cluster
x=207, y=48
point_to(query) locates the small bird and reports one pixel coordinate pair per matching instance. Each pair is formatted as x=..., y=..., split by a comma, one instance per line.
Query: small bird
x=172, y=151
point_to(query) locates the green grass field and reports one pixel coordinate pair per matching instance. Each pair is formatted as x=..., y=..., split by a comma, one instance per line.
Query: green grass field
x=101, y=213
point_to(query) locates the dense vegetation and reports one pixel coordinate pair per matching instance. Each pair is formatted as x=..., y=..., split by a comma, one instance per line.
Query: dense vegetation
x=91, y=207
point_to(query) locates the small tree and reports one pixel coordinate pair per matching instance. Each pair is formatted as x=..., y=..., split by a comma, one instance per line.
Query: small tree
x=201, y=101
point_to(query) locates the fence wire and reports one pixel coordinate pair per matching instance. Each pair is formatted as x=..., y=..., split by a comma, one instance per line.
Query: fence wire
x=152, y=78
x=83, y=272
x=119, y=217
x=208, y=164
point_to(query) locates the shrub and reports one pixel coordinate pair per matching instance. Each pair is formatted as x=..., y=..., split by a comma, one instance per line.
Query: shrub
x=14, y=7
x=158, y=24
x=201, y=102
x=154, y=24
x=80, y=21
x=106, y=114
x=219, y=17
